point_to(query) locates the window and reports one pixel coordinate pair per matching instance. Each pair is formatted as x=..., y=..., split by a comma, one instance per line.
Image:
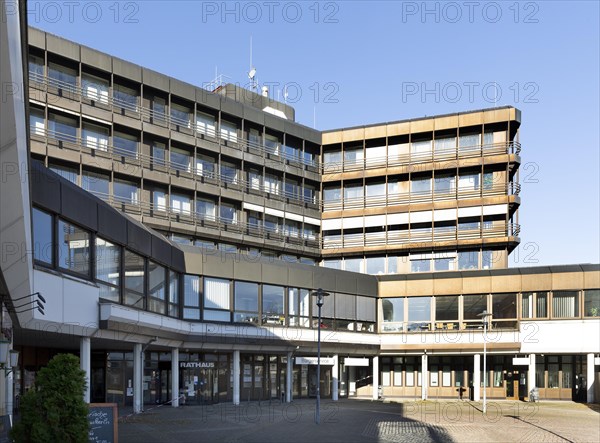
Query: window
x=173, y=310
x=447, y=144
x=228, y=173
x=108, y=269
x=206, y=209
x=487, y=259
x=527, y=305
x=125, y=192
x=95, y=136
x=205, y=124
x=420, y=264
x=181, y=204
x=419, y=313
x=272, y=304
x=205, y=166
x=125, y=144
x=541, y=304
x=62, y=128
x=375, y=265
x=468, y=259
x=332, y=194
x=272, y=223
x=125, y=97
x=94, y=88
x=159, y=200
x=591, y=302
x=95, y=183
x=444, y=263
x=444, y=184
x=468, y=182
x=159, y=153
x=216, y=299
x=332, y=263
x=446, y=308
x=43, y=238
x=157, y=286
x=191, y=297
x=567, y=371
x=473, y=305
x=65, y=172
x=73, y=248
x=180, y=115
x=420, y=148
x=393, y=312
x=420, y=186
x=553, y=368
x=353, y=156
x=291, y=228
x=181, y=159
x=229, y=131
x=468, y=141
x=565, y=304
x=353, y=264
x=272, y=144
x=272, y=184
x=159, y=109
x=36, y=68
x=504, y=306
x=135, y=272
x=353, y=192
x=245, y=302
x=376, y=190
x=37, y=122
x=62, y=77
x=228, y=213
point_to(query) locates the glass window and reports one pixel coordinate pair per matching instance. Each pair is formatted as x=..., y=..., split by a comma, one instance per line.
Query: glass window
x=468, y=259
x=108, y=262
x=65, y=172
x=443, y=263
x=553, y=368
x=527, y=305
x=73, y=248
x=272, y=144
x=565, y=304
x=376, y=189
x=353, y=264
x=567, y=371
x=36, y=68
x=487, y=259
x=473, y=305
x=94, y=88
x=468, y=141
x=191, y=297
x=246, y=302
x=206, y=209
x=216, y=296
x=180, y=159
x=229, y=173
x=228, y=213
x=181, y=204
x=293, y=306
x=353, y=192
x=62, y=128
x=332, y=158
x=420, y=186
x=393, y=309
x=272, y=184
x=43, y=244
x=352, y=156
x=205, y=166
x=445, y=144
x=159, y=153
x=156, y=287
x=468, y=182
x=228, y=131
x=181, y=115
x=173, y=294
x=419, y=312
x=134, y=279
x=332, y=263
x=159, y=200
x=95, y=183
x=332, y=194
x=504, y=306
x=62, y=77
x=125, y=97
x=95, y=136
x=420, y=147
x=541, y=304
x=205, y=124
x=444, y=184
x=591, y=303
x=375, y=265
x=446, y=308
x=272, y=303
x=125, y=192
x=125, y=144
x=420, y=265
x=37, y=121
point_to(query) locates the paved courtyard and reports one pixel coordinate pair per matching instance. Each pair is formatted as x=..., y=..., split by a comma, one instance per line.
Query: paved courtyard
x=366, y=421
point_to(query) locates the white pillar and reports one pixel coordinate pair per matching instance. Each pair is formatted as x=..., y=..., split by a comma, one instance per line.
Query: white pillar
x=531, y=374
x=9, y=394
x=424, y=377
x=476, y=377
x=590, y=377
x=137, y=378
x=175, y=377
x=375, y=395
x=289, y=378
x=236, y=377
x=85, y=363
x=351, y=381
x=335, y=375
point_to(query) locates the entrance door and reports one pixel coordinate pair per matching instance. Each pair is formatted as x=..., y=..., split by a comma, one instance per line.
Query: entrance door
x=164, y=393
x=512, y=385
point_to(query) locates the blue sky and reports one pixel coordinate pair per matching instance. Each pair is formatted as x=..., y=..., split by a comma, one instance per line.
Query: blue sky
x=356, y=62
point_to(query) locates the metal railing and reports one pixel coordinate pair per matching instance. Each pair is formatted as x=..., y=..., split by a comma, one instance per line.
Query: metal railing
x=421, y=235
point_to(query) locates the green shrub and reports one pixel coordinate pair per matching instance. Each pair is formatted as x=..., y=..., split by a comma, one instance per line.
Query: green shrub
x=54, y=410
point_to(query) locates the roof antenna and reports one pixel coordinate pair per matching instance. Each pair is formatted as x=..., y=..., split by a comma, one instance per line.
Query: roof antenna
x=252, y=72
x=314, y=117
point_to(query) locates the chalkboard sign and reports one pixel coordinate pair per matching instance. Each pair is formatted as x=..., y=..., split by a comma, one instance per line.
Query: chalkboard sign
x=103, y=423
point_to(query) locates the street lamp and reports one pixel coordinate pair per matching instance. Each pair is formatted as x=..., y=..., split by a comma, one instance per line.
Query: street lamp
x=484, y=318
x=320, y=294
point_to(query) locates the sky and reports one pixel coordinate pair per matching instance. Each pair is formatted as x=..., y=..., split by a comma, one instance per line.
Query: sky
x=352, y=63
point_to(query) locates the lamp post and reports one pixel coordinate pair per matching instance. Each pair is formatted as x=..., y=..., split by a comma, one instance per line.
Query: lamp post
x=320, y=294
x=484, y=318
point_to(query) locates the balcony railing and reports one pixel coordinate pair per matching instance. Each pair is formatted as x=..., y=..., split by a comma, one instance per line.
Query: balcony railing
x=448, y=155
x=264, y=147
x=403, y=237
x=74, y=143
x=374, y=201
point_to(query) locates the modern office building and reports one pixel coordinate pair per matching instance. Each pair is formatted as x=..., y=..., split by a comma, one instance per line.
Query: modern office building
x=177, y=235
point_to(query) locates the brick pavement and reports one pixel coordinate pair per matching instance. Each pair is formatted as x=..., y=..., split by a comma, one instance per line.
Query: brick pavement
x=360, y=420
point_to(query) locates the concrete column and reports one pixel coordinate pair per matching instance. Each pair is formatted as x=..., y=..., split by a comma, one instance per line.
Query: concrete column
x=531, y=374
x=289, y=378
x=137, y=378
x=175, y=377
x=351, y=381
x=590, y=378
x=236, y=377
x=375, y=395
x=335, y=375
x=476, y=377
x=424, y=377
x=85, y=363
